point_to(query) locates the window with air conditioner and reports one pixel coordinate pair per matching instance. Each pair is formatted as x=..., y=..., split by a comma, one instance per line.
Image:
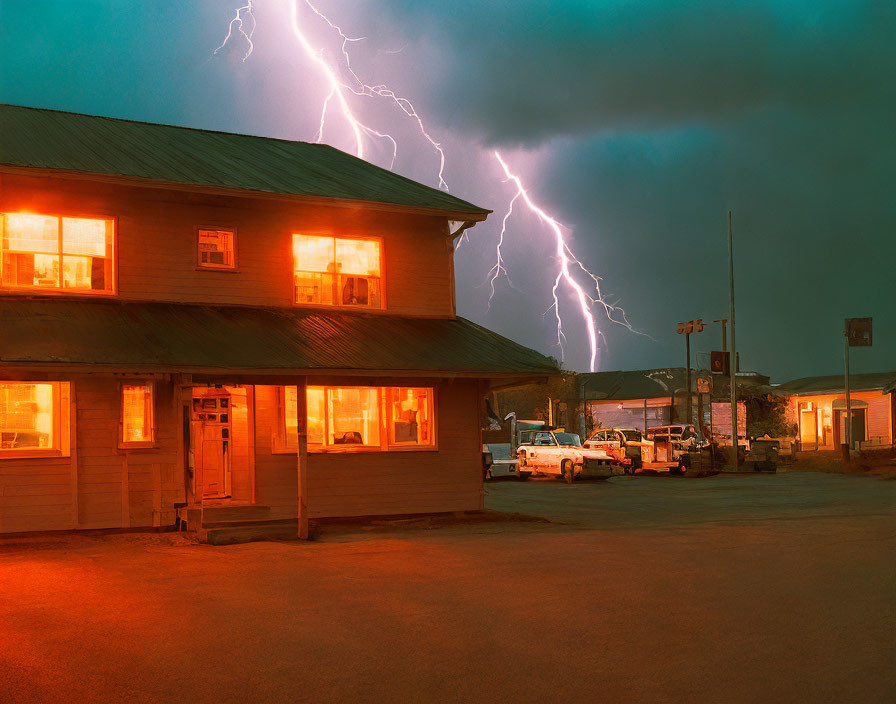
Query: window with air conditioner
x=335, y=271
x=217, y=249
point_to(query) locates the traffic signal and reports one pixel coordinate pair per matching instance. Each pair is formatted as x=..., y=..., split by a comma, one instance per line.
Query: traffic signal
x=720, y=362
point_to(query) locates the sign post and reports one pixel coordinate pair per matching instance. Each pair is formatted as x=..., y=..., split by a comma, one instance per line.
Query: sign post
x=686, y=329
x=856, y=333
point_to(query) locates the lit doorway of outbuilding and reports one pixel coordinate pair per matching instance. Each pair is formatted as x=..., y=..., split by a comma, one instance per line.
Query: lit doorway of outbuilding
x=219, y=442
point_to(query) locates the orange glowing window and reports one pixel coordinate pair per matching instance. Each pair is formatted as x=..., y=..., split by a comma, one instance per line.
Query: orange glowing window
x=360, y=418
x=337, y=272
x=137, y=422
x=216, y=249
x=410, y=417
x=57, y=253
x=33, y=418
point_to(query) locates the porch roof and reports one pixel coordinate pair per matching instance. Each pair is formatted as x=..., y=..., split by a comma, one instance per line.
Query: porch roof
x=173, y=336
x=835, y=384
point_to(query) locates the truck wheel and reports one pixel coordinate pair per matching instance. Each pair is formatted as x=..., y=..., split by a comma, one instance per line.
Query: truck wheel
x=568, y=471
x=523, y=476
x=681, y=469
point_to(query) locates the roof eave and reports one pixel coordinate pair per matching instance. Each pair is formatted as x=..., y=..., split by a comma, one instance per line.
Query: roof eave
x=473, y=216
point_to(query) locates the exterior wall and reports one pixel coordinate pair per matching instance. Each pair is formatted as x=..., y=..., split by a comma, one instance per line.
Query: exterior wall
x=157, y=232
x=879, y=417
x=102, y=486
x=608, y=414
x=99, y=485
x=378, y=483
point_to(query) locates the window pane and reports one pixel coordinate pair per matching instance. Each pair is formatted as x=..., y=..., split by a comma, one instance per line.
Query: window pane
x=354, y=416
x=314, y=288
x=77, y=271
x=26, y=416
x=358, y=257
x=31, y=233
x=359, y=291
x=33, y=270
x=313, y=253
x=316, y=407
x=136, y=412
x=88, y=237
x=216, y=249
x=411, y=417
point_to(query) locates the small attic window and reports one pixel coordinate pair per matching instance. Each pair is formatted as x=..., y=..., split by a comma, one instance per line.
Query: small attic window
x=217, y=249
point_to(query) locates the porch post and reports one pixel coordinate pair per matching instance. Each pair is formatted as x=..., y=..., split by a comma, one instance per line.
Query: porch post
x=302, y=456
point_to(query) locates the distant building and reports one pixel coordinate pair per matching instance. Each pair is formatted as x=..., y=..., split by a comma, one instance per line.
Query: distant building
x=818, y=407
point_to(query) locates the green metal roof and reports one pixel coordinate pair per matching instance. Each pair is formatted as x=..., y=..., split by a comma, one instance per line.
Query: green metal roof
x=133, y=334
x=52, y=139
x=642, y=383
x=835, y=384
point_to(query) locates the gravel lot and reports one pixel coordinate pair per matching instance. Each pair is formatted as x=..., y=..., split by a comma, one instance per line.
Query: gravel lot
x=728, y=589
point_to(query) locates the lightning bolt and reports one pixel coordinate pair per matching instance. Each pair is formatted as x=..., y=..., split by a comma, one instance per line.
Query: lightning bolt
x=343, y=83
x=236, y=24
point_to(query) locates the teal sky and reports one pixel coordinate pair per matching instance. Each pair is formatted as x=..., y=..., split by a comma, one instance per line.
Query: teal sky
x=637, y=123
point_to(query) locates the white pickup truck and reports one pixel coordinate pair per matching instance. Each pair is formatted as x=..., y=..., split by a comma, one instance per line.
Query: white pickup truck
x=555, y=452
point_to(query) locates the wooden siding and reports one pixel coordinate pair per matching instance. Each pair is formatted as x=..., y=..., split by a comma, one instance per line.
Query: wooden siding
x=378, y=483
x=157, y=232
x=100, y=485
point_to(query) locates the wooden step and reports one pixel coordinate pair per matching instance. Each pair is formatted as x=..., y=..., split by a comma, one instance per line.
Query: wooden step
x=249, y=532
x=248, y=512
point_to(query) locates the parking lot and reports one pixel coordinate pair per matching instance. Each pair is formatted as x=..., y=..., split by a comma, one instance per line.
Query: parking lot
x=774, y=588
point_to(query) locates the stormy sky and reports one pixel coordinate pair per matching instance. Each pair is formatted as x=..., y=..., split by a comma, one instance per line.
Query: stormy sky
x=636, y=123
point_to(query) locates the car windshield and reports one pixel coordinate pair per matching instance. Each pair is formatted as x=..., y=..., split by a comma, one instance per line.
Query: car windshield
x=632, y=435
x=568, y=439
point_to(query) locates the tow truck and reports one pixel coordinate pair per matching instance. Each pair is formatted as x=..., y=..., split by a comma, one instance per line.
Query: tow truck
x=626, y=446
x=553, y=451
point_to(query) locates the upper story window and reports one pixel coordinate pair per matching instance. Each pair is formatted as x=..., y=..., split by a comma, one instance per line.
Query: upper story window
x=332, y=271
x=48, y=252
x=217, y=249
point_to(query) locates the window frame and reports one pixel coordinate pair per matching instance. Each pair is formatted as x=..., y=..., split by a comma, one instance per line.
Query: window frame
x=280, y=443
x=141, y=444
x=62, y=423
x=331, y=235
x=218, y=228
x=60, y=291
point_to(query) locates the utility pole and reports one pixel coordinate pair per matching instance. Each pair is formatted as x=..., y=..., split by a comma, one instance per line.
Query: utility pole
x=733, y=364
x=687, y=344
x=848, y=423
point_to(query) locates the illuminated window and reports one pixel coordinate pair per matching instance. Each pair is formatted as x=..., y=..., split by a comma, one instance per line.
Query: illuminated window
x=137, y=414
x=370, y=418
x=410, y=417
x=216, y=249
x=341, y=272
x=33, y=419
x=50, y=252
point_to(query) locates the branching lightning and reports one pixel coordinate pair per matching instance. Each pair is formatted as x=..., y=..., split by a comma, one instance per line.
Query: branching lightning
x=343, y=83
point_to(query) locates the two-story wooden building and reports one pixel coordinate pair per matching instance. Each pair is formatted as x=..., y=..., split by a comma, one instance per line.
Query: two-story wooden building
x=216, y=327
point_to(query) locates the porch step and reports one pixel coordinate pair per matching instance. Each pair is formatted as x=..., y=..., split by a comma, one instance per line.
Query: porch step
x=216, y=514
x=249, y=531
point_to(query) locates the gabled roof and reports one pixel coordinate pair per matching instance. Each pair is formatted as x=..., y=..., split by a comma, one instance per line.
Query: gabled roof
x=642, y=383
x=149, y=152
x=139, y=334
x=835, y=384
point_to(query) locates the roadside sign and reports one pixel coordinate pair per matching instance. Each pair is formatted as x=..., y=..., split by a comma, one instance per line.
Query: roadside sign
x=720, y=362
x=704, y=384
x=690, y=326
x=858, y=332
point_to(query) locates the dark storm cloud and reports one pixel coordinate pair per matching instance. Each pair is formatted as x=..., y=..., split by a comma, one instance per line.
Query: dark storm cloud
x=529, y=70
